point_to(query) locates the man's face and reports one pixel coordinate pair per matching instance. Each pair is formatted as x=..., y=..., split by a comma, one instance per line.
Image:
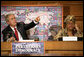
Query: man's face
x=12, y=20
x=70, y=25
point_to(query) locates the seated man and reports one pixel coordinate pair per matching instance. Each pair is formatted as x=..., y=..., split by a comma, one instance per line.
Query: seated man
x=16, y=31
x=70, y=29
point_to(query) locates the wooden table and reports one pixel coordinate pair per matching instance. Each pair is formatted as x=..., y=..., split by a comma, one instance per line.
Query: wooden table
x=64, y=48
x=52, y=48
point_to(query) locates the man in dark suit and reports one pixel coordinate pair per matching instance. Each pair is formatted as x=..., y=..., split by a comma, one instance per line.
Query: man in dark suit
x=16, y=31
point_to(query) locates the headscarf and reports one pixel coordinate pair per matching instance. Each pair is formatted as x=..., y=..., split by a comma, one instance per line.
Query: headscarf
x=69, y=18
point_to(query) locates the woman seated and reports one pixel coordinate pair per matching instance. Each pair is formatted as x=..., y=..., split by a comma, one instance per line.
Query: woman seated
x=70, y=28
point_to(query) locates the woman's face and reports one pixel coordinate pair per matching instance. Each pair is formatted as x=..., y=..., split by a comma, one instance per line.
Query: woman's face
x=70, y=25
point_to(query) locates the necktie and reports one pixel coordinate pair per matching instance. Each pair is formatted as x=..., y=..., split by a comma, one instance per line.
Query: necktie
x=16, y=34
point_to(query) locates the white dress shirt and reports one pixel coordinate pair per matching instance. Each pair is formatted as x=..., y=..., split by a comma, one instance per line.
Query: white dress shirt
x=19, y=35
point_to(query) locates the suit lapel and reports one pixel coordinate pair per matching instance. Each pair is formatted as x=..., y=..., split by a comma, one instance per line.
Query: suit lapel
x=19, y=28
x=13, y=34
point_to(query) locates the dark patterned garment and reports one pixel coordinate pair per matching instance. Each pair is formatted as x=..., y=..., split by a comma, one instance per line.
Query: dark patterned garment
x=63, y=32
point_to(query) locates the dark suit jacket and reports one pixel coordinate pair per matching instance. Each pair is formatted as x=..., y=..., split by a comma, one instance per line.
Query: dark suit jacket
x=21, y=27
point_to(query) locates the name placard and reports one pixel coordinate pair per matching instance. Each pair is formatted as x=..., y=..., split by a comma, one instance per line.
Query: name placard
x=69, y=38
x=28, y=48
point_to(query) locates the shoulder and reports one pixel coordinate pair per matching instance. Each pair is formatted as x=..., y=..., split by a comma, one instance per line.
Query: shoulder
x=61, y=30
x=20, y=23
x=5, y=29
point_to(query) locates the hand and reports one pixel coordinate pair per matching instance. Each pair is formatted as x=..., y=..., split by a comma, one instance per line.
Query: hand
x=12, y=39
x=37, y=19
x=76, y=27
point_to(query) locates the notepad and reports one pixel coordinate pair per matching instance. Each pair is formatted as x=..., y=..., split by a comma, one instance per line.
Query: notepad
x=26, y=40
x=69, y=38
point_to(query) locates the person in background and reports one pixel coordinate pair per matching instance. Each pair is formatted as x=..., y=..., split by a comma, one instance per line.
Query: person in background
x=53, y=33
x=54, y=29
x=16, y=31
x=70, y=29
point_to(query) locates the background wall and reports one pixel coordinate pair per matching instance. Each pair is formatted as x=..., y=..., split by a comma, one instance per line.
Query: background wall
x=74, y=8
x=69, y=7
x=51, y=14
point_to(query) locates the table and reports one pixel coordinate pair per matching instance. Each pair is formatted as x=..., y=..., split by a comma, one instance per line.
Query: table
x=64, y=48
x=52, y=48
